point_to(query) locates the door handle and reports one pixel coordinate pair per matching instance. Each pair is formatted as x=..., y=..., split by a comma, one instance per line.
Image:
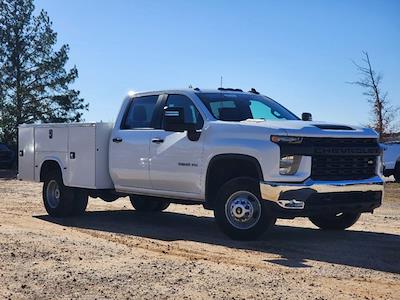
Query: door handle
x=157, y=141
x=117, y=140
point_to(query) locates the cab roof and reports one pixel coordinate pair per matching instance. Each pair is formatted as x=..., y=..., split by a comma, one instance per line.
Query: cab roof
x=196, y=90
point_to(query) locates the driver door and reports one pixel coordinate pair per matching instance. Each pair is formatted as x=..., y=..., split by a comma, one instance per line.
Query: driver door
x=176, y=161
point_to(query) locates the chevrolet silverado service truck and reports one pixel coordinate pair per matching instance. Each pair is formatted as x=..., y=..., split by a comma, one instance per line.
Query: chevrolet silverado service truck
x=241, y=154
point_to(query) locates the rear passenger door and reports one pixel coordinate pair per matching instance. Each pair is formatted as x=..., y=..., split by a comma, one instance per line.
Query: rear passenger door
x=176, y=161
x=129, y=148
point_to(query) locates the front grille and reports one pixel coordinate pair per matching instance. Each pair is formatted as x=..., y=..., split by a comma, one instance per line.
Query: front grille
x=339, y=142
x=337, y=158
x=311, y=146
x=343, y=167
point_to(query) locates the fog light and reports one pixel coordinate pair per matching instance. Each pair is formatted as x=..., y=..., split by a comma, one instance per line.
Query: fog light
x=289, y=164
x=292, y=204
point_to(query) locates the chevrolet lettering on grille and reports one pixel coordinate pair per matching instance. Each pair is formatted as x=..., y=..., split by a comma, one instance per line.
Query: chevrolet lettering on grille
x=346, y=151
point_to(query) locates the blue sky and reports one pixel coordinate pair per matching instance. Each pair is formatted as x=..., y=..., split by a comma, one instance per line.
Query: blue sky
x=297, y=52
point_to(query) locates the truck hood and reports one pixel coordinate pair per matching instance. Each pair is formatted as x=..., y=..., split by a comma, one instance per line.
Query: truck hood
x=314, y=128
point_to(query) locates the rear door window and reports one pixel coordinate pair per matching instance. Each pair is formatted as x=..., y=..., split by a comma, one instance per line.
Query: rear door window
x=140, y=113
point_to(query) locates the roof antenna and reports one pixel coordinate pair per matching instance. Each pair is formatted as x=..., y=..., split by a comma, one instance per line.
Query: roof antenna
x=221, y=81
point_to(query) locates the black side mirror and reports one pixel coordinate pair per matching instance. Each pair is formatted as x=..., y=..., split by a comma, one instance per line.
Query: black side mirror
x=174, y=120
x=305, y=116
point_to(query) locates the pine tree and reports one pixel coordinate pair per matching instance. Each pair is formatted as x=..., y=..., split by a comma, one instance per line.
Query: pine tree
x=34, y=82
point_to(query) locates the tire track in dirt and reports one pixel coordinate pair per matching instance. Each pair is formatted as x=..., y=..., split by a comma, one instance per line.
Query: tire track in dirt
x=172, y=250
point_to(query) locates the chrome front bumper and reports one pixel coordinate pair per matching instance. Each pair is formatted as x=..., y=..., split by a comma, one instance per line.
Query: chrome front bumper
x=293, y=195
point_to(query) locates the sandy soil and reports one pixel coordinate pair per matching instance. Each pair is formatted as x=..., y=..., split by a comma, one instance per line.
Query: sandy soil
x=114, y=252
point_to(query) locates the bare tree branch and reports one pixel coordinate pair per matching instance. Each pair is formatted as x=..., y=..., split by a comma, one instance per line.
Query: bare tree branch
x=383, y=113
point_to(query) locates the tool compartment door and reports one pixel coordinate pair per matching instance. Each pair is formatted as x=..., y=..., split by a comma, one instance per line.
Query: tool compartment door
x=26, y=153
x=51, y=138
x=81, y=156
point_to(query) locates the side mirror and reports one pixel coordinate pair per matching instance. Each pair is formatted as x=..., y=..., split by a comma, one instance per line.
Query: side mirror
x=305, y=116
x=174, y=120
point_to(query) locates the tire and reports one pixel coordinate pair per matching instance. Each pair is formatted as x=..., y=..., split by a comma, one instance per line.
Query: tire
x=60, y=200
x=148, y=204
x=80, y=202
x=396, y=172
x=335, y=222
x=239, y=210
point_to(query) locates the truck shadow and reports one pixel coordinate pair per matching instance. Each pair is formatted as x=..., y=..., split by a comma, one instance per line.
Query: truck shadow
x=295, y=245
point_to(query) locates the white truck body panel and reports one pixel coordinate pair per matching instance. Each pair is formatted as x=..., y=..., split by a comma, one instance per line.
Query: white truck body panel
x=26, y=161
x=391, y=155
x=129, y=164
x=51, y=138
x=81, y=150
x=163, y=158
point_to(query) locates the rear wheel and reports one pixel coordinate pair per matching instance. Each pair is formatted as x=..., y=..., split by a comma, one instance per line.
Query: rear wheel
x=239, y=210
x=335, y=221
x=60, y=200
x=143, y=203
x=80, y=202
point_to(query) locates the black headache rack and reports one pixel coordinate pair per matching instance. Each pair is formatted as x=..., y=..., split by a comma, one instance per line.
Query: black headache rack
x=338, y=158
x=229, y=89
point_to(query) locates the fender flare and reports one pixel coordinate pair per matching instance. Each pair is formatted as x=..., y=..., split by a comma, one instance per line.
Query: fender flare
x=220, y=157
x=57, y=161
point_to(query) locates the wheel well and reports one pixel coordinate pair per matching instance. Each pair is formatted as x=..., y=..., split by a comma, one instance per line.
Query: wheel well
x=223, y=168
x=47, y=167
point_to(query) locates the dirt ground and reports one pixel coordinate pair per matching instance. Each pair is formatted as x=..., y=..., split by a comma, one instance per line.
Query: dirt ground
x=114, y=252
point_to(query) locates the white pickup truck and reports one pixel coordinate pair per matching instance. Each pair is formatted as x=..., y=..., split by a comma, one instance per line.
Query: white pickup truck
x=238, y=153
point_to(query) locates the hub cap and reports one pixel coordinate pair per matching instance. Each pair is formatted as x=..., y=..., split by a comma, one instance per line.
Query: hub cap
x=243, y=210
x=53, y=194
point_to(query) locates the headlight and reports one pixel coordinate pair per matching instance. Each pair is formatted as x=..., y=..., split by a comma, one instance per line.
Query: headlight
x=286, y=139
x=289, y=164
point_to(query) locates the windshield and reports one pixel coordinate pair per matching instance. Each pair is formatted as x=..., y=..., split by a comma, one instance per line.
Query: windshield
x=239, y=107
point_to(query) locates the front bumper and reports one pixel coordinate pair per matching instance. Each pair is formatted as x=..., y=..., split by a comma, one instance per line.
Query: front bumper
x=316, y=197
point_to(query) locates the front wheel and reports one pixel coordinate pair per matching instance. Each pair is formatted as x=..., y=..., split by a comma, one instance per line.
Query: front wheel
x=60, y=200
x=148, y=204
x=335, y=221
x=239, y=210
